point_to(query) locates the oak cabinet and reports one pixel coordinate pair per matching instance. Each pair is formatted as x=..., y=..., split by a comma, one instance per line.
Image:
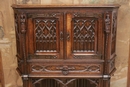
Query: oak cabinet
x=66, y=45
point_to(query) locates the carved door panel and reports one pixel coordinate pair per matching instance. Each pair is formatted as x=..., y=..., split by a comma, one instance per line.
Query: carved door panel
x=84, y=35
x=47, y=32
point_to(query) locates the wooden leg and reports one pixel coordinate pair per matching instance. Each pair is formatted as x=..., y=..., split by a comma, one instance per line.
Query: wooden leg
x=106, y=83
x=25, y=82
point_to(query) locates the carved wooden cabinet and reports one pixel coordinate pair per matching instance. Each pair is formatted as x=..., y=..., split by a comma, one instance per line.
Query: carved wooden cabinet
x=66, y=45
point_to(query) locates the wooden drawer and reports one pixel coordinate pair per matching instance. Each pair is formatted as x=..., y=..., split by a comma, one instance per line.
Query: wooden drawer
x=66, y=68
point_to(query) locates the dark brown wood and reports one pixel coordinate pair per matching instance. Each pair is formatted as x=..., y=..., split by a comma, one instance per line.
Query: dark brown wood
x=58, y=44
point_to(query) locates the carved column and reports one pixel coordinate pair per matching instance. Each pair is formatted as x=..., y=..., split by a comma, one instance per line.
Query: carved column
x=107, y=19
x=23, y=35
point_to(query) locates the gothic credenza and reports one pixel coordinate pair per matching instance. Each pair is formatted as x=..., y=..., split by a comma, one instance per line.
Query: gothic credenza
x=66, y=45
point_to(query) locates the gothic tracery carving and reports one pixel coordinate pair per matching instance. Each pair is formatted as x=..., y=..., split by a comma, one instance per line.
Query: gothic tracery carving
x=66, y=82
x=84, y=35
x=94, y=81
x=46, y=35
x=43, y=15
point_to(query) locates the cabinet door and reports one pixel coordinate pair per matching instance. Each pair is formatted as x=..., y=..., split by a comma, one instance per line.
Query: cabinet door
x=84, y=35
x=45, y=35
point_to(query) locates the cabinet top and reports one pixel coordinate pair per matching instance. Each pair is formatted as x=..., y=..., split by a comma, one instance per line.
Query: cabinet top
x=66, y=6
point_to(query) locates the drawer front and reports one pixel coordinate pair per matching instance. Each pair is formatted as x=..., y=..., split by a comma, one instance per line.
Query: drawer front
x=64, y=69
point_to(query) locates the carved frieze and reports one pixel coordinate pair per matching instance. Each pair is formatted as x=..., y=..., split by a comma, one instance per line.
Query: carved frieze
x=88, y=14
x=65, y=69
x=42, y=15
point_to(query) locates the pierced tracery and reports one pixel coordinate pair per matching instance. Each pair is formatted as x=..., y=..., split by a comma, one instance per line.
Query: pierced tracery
x=56, y=82
x=84, y=31
x=46, y=35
